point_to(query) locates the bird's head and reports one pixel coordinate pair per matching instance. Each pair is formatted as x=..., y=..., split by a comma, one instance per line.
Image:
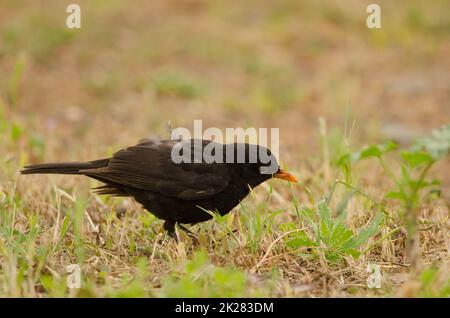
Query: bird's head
x=260, y=165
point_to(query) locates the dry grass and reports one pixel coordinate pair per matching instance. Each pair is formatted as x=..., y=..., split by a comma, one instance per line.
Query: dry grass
x=80, y=95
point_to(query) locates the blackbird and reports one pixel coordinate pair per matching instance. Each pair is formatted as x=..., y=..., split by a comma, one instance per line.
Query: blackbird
x=178, y=193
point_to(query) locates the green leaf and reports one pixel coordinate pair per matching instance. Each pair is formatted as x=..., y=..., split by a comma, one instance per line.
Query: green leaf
x=416, y=158
x=324, y=212
x=341, y=208
x=353, y=252
x=339, y=235
x=371, y=151
x=300, y=239
x=396, y=195
x=47, y=282
x=418, y=184
x=388, y=146
x=364, y=235
x=324, y=232
x=374, y=151
x=307, y=213
x=344, y=160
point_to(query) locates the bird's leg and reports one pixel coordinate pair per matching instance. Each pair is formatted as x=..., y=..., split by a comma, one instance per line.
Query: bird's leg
x=189, y=233
x=169, y=226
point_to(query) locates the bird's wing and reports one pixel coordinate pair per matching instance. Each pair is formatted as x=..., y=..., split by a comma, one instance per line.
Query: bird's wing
x=149, y=166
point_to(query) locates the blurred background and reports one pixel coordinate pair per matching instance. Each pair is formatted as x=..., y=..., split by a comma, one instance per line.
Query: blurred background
x=76, y=94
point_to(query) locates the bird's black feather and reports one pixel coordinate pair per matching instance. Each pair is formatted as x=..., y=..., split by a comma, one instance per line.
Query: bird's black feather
x=175, y=192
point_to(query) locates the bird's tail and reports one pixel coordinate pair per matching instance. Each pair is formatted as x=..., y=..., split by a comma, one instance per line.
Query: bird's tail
x=64, y=167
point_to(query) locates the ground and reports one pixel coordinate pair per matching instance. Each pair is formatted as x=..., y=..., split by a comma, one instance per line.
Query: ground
x=312, y=69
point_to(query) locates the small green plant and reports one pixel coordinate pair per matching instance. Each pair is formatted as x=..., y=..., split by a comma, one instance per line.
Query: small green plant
x=411, y=183
x=257, y=225
x=331, y=235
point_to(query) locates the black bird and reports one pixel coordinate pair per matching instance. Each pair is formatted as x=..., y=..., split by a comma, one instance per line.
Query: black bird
x=176, y=192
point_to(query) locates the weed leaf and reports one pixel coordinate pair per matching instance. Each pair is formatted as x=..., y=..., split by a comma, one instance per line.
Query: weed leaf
x=366, y=233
